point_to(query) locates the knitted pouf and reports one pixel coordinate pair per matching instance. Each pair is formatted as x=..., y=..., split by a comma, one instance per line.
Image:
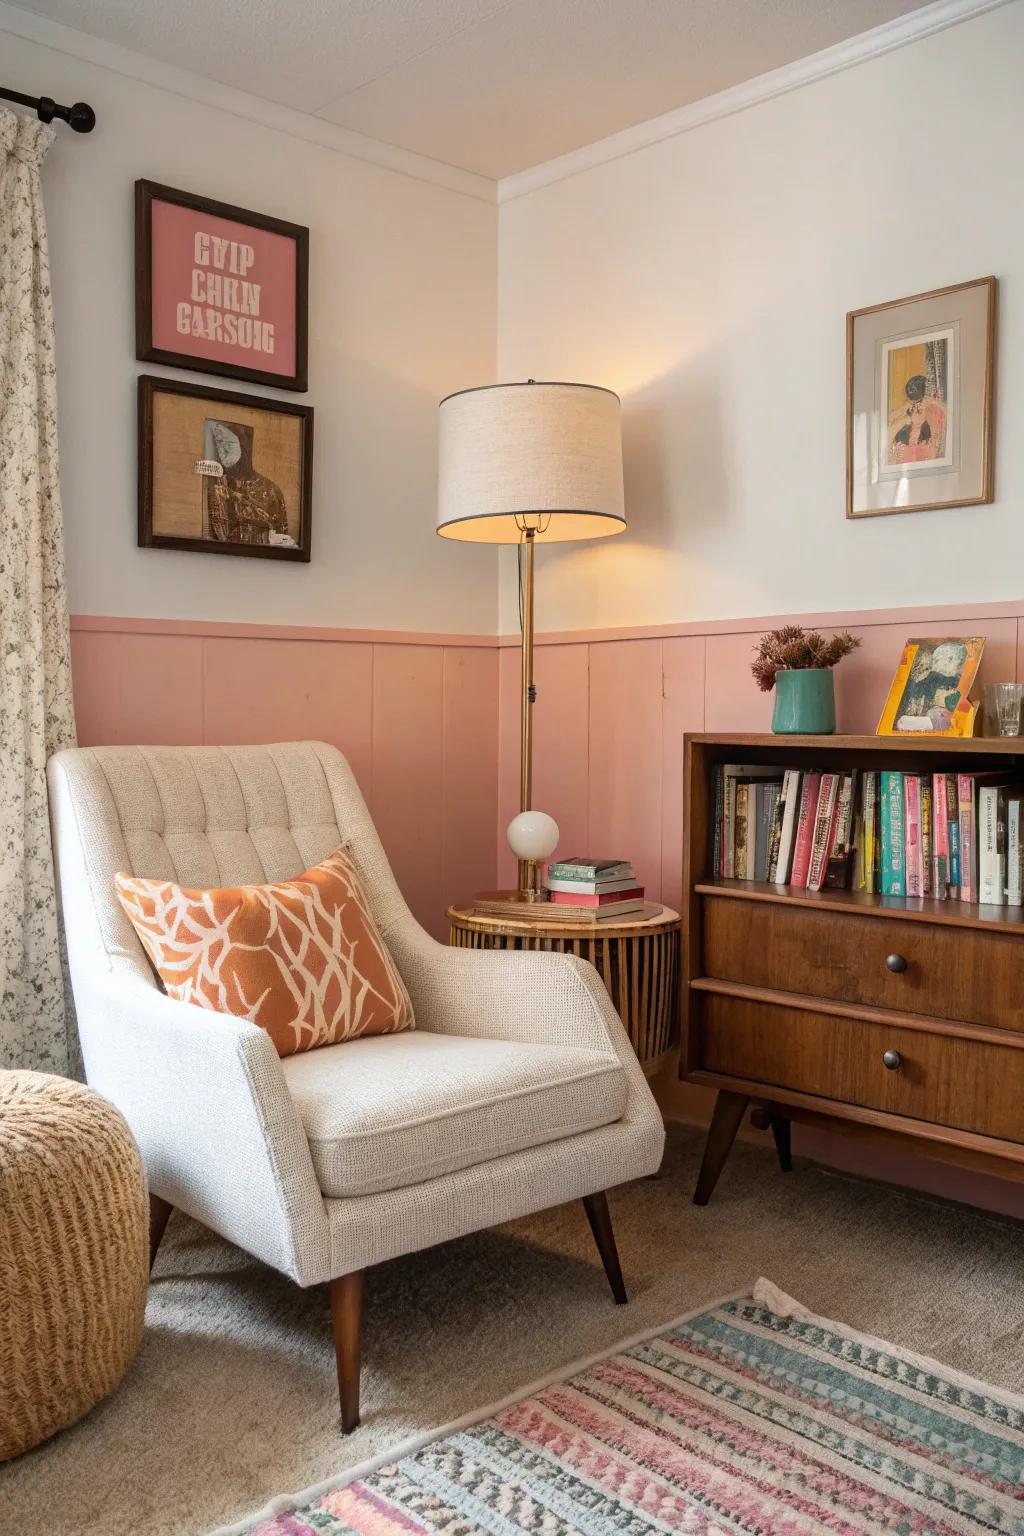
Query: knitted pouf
x=73, y=1254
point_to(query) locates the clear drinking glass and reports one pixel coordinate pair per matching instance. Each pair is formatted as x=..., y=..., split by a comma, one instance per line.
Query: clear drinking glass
x=1003, y=702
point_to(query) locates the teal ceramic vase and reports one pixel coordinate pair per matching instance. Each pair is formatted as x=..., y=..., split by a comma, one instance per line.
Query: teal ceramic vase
x=805, y=702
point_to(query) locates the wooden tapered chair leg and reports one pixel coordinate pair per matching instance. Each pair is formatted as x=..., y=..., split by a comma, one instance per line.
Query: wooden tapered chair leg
x=159, y=1214
x=600, y=1218
x=347, y=1317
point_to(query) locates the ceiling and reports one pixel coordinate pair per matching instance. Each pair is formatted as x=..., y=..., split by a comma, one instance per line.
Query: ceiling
x=491, y=86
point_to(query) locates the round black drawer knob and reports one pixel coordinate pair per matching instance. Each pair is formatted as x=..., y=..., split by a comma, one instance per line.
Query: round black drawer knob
x=895, y=963
x=891, y=1060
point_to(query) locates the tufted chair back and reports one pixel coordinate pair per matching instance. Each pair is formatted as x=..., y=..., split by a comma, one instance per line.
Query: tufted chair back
x=202, y=816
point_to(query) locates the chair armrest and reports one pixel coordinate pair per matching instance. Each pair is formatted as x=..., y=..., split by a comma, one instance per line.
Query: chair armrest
x=524, y=995
x=206, y=1100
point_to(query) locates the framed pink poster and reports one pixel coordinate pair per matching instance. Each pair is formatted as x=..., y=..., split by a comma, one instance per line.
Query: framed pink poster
x=220, y=289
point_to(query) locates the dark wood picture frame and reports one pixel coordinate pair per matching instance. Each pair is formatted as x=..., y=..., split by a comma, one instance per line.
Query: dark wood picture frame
x=991, y=285
x=150, y=385
x=148, y=192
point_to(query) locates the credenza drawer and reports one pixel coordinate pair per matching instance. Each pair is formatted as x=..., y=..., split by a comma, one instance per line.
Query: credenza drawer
x=968, y=1083
x=949, y=972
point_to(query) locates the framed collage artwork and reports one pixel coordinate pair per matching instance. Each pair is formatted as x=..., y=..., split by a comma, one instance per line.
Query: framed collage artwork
x=223, y=473
x=920, y=378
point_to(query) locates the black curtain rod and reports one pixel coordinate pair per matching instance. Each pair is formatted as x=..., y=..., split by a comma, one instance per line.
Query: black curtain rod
x=81, y=116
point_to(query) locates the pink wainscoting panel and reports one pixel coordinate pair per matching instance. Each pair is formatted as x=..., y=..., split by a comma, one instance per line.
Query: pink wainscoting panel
x=291, y=690
x=560, y=747
x=388, y=706
x=144, y=690
x=470, y=781
x=408, y=773
x=626, y=757
x=732, y=700
x=682, y=711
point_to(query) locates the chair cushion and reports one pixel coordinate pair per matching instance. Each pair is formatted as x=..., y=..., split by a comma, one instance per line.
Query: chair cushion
x=399, y=1109
x=302, y=958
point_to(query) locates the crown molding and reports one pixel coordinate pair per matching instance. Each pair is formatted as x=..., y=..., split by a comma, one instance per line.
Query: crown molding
x=737, y=98
x=224, y=98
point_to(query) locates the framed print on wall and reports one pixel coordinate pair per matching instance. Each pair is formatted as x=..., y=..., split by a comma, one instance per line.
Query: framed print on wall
x=920, y=408
x=223, y=473
x=220, y=289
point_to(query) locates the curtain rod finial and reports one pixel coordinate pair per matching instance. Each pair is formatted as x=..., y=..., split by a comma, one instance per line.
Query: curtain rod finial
x=82, y=117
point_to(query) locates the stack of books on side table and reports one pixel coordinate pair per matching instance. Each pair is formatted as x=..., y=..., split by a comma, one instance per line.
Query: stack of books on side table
x=577, y=890
x=598, y=889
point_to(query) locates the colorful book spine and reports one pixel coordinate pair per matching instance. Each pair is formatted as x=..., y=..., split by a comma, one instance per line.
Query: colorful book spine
x=940, y=836
x=840, y=853
x=775, y=831
x=716, y=854
x=584, y=899
x=767, y=797
x=912, y=834
x=742, y=832
x=809, y=792
x=871, y=832
x=953, y=823
x=590, y=887
x=991, y=856
x=1014, y=852
x=892, y=869
x=781, y=869
x=965, y=804
x=578, y=869
x=729, y=842
x=824, y=825
x=927, y=835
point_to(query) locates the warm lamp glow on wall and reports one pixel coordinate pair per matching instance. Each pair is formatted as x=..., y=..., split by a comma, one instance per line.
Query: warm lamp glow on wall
x=518, y=464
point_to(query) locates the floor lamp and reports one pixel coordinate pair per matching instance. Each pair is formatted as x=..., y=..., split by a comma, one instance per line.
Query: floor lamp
x=521, y=464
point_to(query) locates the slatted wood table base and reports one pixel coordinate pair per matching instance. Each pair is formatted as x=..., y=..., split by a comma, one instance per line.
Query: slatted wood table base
x=637, y=961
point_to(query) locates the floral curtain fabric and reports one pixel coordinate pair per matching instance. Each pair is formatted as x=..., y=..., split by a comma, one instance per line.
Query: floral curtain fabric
x=36, y=715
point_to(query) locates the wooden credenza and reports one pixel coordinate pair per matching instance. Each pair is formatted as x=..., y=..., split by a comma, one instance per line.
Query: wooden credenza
x=899, y=1019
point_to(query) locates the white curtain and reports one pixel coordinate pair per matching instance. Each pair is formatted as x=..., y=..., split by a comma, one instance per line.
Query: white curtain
x=36, y=715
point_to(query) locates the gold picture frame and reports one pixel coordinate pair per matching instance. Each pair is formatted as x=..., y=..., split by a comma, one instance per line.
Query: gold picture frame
x=920, y=401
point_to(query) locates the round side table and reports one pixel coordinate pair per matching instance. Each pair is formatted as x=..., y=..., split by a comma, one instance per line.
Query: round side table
x=637, y=959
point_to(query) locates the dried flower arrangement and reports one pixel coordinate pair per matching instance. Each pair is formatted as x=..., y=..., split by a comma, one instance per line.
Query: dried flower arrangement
x=794, y=648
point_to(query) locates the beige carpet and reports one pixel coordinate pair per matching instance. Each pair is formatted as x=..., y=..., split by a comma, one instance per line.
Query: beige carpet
x=232, y=1398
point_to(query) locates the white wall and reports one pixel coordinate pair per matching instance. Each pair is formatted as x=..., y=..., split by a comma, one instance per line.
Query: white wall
x=402, y=310
x=707, y=278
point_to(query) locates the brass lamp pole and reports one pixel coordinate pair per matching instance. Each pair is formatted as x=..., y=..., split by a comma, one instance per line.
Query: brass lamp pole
x=518, y=463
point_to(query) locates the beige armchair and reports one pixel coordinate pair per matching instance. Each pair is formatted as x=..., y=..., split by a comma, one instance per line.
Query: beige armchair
x=516, y=1091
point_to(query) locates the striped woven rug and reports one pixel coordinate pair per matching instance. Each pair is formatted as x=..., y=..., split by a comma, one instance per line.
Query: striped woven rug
x=751, y=1416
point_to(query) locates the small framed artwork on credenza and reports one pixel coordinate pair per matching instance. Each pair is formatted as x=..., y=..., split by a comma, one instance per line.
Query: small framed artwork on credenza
x=220, y=289
x=223, y=473
x=920, y=407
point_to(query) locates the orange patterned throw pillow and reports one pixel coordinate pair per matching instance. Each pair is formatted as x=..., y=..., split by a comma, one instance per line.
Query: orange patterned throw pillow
x=301, y=958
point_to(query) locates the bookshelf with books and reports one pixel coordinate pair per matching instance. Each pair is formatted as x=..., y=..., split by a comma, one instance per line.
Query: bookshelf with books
x=853, y=946
x=928, y=829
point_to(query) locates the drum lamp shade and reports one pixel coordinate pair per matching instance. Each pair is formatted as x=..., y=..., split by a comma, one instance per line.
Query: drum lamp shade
x=532, y=455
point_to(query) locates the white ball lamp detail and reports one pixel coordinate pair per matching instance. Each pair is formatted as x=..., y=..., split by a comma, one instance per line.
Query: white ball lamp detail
x=533, y=836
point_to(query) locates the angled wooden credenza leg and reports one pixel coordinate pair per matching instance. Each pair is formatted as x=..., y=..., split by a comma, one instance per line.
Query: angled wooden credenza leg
x=725, y=1122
